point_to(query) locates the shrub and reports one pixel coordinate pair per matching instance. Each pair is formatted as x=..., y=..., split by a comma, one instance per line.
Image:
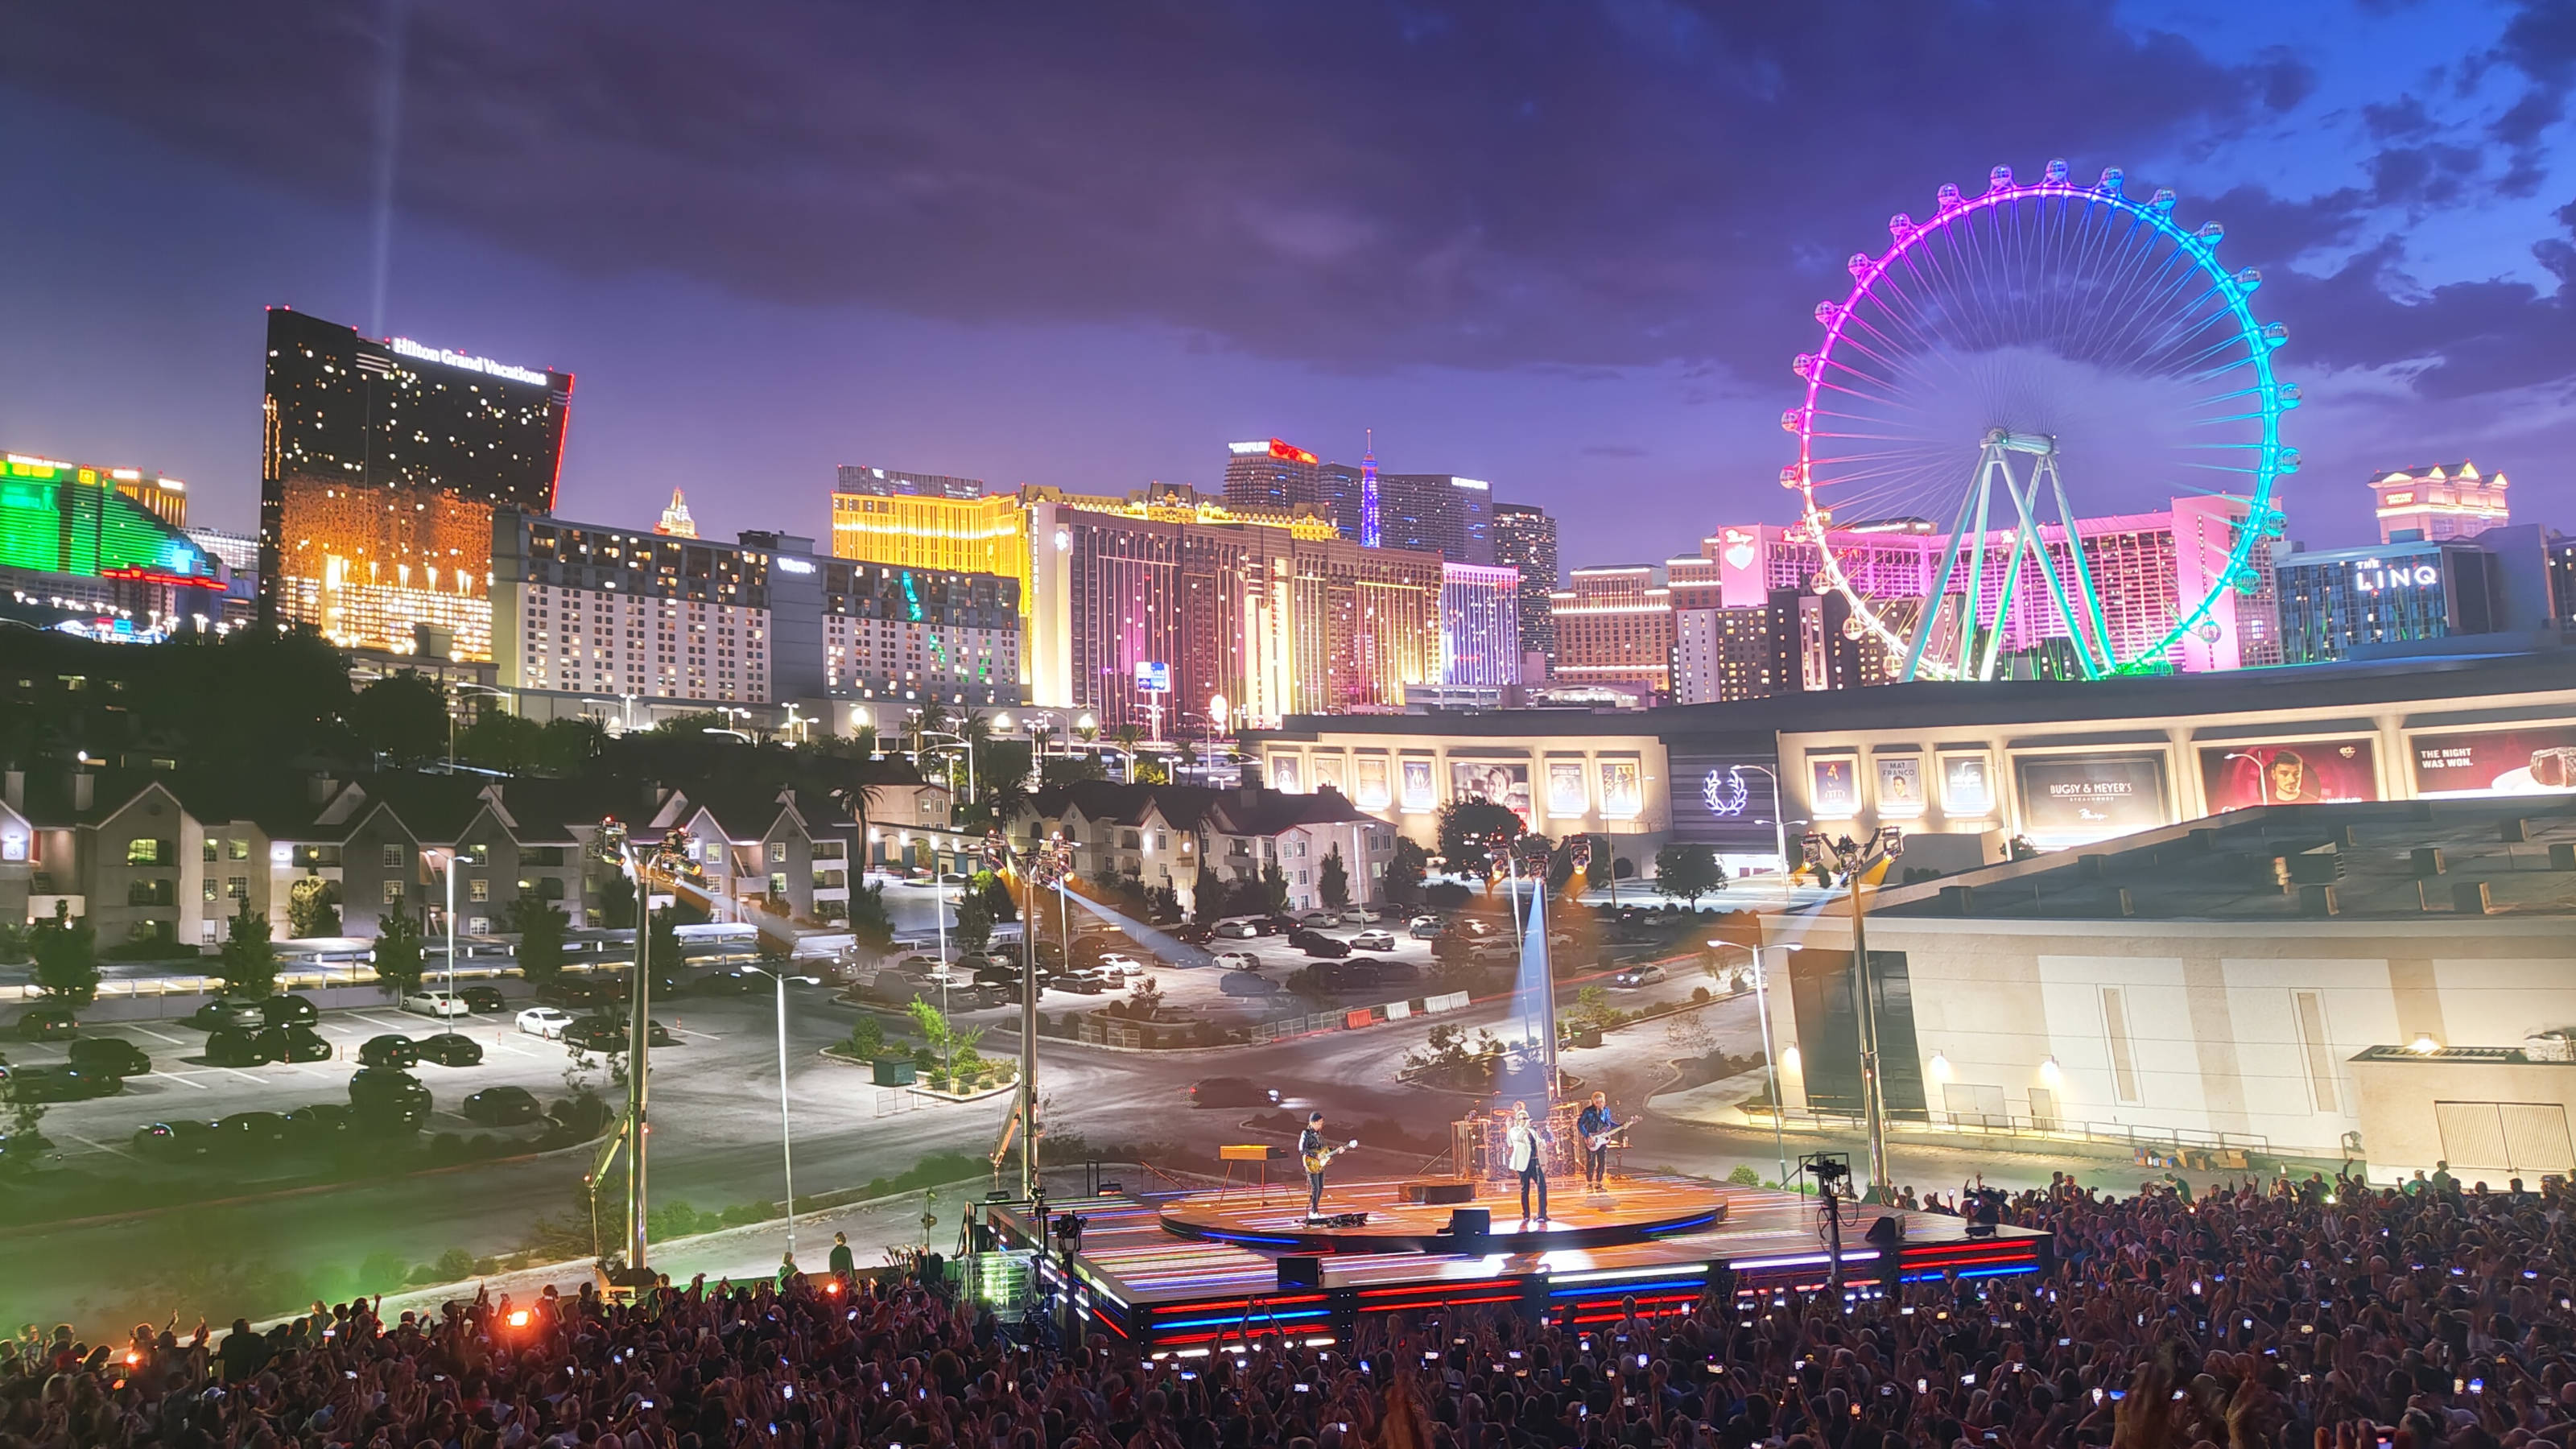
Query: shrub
x=1699, y=993
x=1744, y=1176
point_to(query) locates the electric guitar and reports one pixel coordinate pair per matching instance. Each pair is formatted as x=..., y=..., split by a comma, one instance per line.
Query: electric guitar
x=1316, y=1159
x=1599, y=1140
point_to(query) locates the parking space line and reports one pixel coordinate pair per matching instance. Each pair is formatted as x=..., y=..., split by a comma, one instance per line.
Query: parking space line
x=401, y=1026
x=692, y=1031
x=181, y=1079
x=156, y=1036
x=101, y=1146
x=245, y=1076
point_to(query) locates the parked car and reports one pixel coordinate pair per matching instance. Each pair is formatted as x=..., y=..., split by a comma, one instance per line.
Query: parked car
x=1320, y=945
x=1393, y=973
x=503, y=1107
x=918, y=966
x=545, y=1021
x=287, y=1011
x=726, y=983
x=109, y=1056
x=219, y=1013
x=1425, y=928
x=1120, y=963
x=609, y=1034
x=294, y=1044
x=389, y=1050
x=381, y=1097
x=320, y=1122
x=450, y=1050
x=61, y=1084
x=1191, y=932
x=1363, y=916
x=1238, y=930
x=484, y=1000
x=1232, y=1092
x=235, y=1046
x=1080, y=983
x=1236, y=961
x=47, y=1023
x=179, y=1137
x=1316, y=920
x=568, y=991
x=1248, y=983
x=252, y=1131
x=1373, y=939
x=436, y=1003
x=1049, y=954
x=1494, y=948
x=1638, y=975
x=1005, y=977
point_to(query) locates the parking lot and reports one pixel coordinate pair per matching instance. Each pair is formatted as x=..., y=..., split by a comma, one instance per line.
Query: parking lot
x=183, y=1084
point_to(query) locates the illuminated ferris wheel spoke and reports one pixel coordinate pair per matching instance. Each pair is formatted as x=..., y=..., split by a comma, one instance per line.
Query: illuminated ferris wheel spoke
x=2009, y=337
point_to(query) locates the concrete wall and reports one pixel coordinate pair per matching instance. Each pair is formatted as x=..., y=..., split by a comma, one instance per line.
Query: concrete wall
x=2216, y=1035
x=2419, y=1111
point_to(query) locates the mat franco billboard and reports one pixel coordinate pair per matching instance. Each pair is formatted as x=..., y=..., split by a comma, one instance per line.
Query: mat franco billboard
x=2240, y=777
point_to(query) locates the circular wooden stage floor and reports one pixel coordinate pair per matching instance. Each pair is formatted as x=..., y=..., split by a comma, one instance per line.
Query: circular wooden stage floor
x=1273, y=1220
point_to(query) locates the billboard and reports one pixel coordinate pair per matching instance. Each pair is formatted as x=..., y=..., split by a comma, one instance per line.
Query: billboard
x=1725, y=799
x=1565, y=788
x=2071, y=799
x=1328, y=772
x=1371, y=792
x=1417, y=794
x=1153, y=676
x=1900, y=786
x=1623, y=790
x=1968, y=785
x=2238, y=777
x=2496, y=762
x=1285, y=774
x=1834, y=787
x=1505, y=783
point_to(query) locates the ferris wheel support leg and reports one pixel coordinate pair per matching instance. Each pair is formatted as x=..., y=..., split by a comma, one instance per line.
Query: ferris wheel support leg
x=2083, y=571
x=1930, y=619
x=2023, y=499
x=2005, y=593
x=1969, y=668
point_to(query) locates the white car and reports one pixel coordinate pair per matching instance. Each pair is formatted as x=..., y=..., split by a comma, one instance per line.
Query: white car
x=1119, y=963
x=1363, y=916
x=436, y=1003
x=545, y=1021
x=1424, y=928
x=1373, y=939
x=1238, y=930
x=1236, y=961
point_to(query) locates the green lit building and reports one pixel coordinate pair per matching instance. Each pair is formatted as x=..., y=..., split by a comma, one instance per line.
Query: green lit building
x=100, y=537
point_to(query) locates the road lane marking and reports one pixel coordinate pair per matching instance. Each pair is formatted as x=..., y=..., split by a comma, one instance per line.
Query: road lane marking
x=181, y=1079
x=156, y=1036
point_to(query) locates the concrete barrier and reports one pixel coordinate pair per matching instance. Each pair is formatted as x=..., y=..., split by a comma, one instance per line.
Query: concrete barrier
x=1398, y=1010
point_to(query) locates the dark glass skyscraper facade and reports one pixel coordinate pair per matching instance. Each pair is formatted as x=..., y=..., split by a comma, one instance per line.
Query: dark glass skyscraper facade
x=1525, y=539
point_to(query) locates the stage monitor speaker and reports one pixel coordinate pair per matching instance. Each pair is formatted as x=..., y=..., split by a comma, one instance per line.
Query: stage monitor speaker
x=1301, y=1272
x=1432, y=1193
x=1887, y=1232
x=1471, y=1222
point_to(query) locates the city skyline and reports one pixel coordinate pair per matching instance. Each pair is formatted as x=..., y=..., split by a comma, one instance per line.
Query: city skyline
x=2420, y=275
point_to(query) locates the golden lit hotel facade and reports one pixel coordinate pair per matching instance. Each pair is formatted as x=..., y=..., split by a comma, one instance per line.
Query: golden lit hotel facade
x=1157, y=605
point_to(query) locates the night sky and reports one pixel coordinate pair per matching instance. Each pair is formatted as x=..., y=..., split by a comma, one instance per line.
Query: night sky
x=1569, y=248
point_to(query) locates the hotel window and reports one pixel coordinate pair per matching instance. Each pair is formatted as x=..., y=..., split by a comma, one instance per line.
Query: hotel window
x=478, y=890
x=393, y=856
x=393, y=892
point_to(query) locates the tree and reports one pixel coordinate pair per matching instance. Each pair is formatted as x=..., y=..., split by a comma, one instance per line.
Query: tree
x=313, y=908
x=1404, y=873
x=616, y=901
x=1207, y=896
x=499, y=740
x=974, y=927
x=1274, y=886
x=1152, y=772
x=1066, y=769
x=402, y=715
x=946, y=1042
x=1333, y=882
x=1470, y=829
x=871, y=926
x=565, y=745
x=997, y=896
x=1687, y=872
x=662, y=944
x=400, y=959
x=1445, y=895
x=248, y=963
x=540, y=928
x=66, y=953
x=24, y=1144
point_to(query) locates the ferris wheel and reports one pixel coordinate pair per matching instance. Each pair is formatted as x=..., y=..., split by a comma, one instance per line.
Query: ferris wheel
x=2036, y=339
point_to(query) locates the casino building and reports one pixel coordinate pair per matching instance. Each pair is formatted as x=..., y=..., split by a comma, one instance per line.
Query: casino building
x=2059, y=764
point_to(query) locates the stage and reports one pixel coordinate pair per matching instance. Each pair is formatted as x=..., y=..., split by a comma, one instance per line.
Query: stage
x=1181, y=1272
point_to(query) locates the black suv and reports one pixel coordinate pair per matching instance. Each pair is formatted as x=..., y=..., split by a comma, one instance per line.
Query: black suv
x=219, y=1013
x=61, y=1084
x=503, y=1106
x=382, y=1097
x=47, y=1023
x=233, y=1046
x=481, y=999
x=288, y=1011
x=449, y=1050
x=294, y=1044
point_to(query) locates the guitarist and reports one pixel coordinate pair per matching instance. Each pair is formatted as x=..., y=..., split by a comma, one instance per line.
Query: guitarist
x=1312, y=1149
x=1596, y=1126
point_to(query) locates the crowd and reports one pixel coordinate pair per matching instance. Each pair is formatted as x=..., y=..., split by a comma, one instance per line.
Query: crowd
x=2323, y=1315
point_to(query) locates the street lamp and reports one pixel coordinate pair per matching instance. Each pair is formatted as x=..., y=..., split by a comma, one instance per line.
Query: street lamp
x=1770, y=1062
x=1854, y=860
x=786, y=1150
x=451, y=715
x=1779, y=828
